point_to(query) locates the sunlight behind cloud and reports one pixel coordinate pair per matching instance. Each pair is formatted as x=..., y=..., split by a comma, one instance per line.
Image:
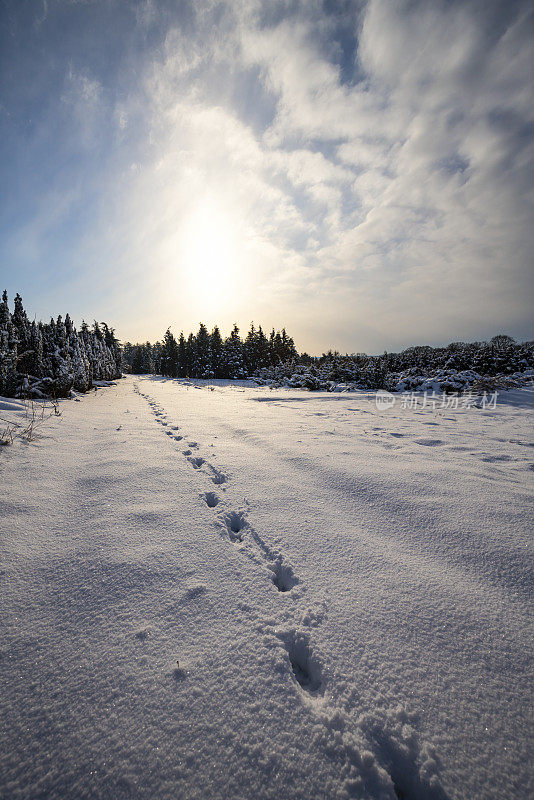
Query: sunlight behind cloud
x=208, y=260
x=354, y=170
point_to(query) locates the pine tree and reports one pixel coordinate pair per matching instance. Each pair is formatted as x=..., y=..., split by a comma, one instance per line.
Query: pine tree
x=233, y=356
x=137, y=360
x=169, y=355
x=80, y=366
x=250, y=350
x=216, y=347
x=288, y=349
x=183, y=357
x=202, y=354
x=190, y=356
x=8, y=350
x=22, y=330
x=61, y=361
x=263, y=358
x=147, y=359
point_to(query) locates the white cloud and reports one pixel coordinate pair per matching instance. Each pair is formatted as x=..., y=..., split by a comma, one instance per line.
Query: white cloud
x=389, y=209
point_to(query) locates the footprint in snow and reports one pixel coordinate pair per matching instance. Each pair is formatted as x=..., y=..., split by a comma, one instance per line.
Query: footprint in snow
x=235, y=522
x=196, y=461
x=429, y=442
x=193, y=592
x=305, y=666
x=282, y=576
x=217, y=477
x=211, y=499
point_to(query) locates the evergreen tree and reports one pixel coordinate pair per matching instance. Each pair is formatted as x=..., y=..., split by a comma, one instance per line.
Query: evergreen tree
x=289, y=351
x=216, y=347
x=202, y=354
x=36, y=365
x=250, y=350
x=22, y=332
x=233, y=355
x=137, y=360
x=80, y=366
x=147, y=359
x=50, y=358
x=190, y=356
x=8, y=350
x=183, y=357
x=169, y=355
x=61, y=361
x=263, y=357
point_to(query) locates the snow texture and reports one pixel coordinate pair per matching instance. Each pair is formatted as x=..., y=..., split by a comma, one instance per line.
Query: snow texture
x=213, y=590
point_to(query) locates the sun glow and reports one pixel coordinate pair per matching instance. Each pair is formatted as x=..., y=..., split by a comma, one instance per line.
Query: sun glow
x=210, y=257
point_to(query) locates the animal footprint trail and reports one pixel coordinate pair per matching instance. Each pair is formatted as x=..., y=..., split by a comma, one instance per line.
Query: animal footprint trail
x=388, y=766
x=305, y=666
x=235, y=523
x=211, y=499
x=283, y=577
x=216, y=475
x=196, y=461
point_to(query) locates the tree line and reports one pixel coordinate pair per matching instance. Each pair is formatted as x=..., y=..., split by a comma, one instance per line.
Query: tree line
x=501, y=355
x=50, y=359
x=456, y=363
x=208, y=355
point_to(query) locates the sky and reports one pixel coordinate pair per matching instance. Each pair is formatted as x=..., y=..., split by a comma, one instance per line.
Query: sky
x=361, y=173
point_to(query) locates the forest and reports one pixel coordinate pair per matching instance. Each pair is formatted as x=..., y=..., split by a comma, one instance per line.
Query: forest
x=53, y=359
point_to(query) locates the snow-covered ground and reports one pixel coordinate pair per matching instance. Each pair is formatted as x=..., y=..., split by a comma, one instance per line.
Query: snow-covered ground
x=346, y=590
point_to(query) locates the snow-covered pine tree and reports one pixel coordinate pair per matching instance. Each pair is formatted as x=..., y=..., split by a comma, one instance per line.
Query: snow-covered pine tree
x=233, y=355
x=80, y=365
x=8, y=350
x=263, y=358
x=202, y=354
x=183, y=356
x=61, y=361
x=289, y=351
x=113, y=344
x=43, y=359
x=250, y=350
x=22, y=329
x=169, y=355
x=36, y=367
x=147, y=359
x=137, y=360
x=216, y=347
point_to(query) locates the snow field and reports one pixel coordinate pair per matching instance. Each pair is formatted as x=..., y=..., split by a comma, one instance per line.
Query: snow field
x=346, y=593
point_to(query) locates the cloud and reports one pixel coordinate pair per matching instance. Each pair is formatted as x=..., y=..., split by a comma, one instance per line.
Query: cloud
x=372, y=163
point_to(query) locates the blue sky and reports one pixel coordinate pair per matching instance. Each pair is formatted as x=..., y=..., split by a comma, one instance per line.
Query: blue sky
x=360, y=172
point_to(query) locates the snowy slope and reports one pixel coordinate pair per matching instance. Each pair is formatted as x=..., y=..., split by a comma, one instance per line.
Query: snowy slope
x=347, y=592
